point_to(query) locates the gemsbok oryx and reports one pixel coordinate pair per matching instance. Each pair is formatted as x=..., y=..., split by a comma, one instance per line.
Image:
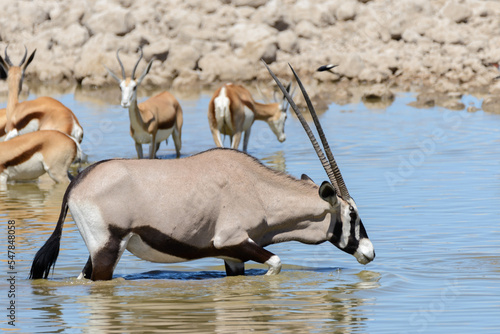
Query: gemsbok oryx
x=219, y=203
x=29, y=156
x=43, y=113
x=153, y=120
x=232, y=111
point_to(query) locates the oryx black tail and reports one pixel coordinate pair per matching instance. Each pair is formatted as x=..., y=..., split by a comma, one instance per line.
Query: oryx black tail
x=46, y=257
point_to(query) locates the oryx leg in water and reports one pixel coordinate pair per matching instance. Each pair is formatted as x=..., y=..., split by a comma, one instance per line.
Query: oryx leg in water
x=220, y=203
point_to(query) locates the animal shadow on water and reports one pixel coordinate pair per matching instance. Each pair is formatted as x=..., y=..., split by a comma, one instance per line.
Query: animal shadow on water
x=186, y=275
x=212, y=274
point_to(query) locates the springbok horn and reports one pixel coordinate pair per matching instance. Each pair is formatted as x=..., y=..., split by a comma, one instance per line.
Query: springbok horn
x=9, y=62
x=137, y=64
x=24, y=57
x=7, y=59
x=121, y=64
x=336, y=171
x=319, y=151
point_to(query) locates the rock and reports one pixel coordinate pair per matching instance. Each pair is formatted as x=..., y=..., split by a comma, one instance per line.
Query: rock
x=261, y=43
x=31, y=14
x=430, y=99
x=411, y=36
x=250, y=3
x=377, y=93
x=71, y=37
x=183, y=57
x=306, y=29
x=305, y=10
x=187, y=81
x=287, y=41
x=444, y=34
x=424, y=100
x=224, y=68
x=491, y=104
x=457, y=12
x=351, y=66
x=116, y=20
x=346, y=11
x=65, y=15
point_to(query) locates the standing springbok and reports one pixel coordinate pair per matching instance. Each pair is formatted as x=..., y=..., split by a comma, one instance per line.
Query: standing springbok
x=220, y=203
x=232, y=111
x=153, y=120
x=43, y=113
x=29, y=156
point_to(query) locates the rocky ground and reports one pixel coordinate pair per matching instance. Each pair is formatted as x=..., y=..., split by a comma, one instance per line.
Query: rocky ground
x=440, y=48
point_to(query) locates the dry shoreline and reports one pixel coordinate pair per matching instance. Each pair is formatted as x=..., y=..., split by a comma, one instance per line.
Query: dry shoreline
x=439, y=48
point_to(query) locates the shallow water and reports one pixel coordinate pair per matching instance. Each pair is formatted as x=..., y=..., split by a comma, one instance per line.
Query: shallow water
x=427, y=185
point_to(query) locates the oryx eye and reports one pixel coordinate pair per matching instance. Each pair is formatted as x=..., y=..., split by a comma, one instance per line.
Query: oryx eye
x=351, y=208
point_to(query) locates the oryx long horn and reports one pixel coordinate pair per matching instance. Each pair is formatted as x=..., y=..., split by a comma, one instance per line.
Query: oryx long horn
x=121, y=64
x=137, y=64
x=306, y=127
x=336, y=171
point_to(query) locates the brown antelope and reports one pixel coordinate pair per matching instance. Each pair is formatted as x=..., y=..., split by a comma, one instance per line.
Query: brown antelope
x=43, y=113
x=29, y=156
x=220, y=203
x=232, y=111
x=153, y=120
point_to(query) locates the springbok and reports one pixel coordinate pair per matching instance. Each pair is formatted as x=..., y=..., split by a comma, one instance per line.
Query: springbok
x=43, y=113
x=220, y=203
x=29, y=156
x=232, y=111
x=153, y=120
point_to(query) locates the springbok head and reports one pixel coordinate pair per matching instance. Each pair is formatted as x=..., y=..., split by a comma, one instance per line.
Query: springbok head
x=277, y=123
x=128, y=85
x=347, y=230
x=15, y=74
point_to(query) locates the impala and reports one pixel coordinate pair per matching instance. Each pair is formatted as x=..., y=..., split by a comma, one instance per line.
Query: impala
x=153, y=120
x=220, y=203
x=29, y=156
x=232, y=111
x=43, y=113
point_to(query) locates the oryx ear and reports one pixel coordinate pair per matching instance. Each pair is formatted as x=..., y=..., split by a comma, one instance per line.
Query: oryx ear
x=328, y=193
x=306, y=178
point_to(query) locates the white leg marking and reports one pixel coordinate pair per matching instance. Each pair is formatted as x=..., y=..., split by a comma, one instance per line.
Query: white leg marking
x=274, y=264
x=13, y=133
